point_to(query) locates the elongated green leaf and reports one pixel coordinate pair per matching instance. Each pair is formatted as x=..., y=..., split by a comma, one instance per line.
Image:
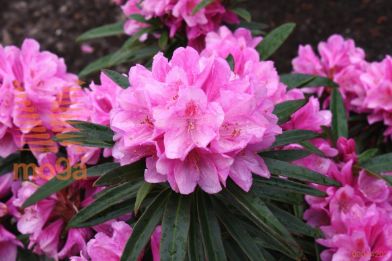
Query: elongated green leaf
x=89, y=135
x=195, y=246
x=175, y=228
x=339, y=121
x=259, y=213
x=234, y=226
x=122, y=174
x=274, y=40
x=210, y=230
x=305, y=80
x=141, y=195
x=285, y=155
x=268, y=193
x=294, y=224
x=294, y=136
x=311, y=148
x=163, y=40
x=285, y=109
x=289, y=186
x=105, y=201
x=144, y=227
x=138, y=17
x=243, y=13
x=55, y=185
x=367, y=155
x=286, y=169
x=111, y=213
x=118, y=78
x=108, y=61
x=102, y=31
x=100, y=130
x=201, y=5
x=378, y=165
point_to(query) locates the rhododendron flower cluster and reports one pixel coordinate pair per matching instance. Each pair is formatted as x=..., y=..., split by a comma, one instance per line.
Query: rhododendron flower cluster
x=356, y=217
x=178, y=15
x=45, y=221
x=365, y=86
x=34, y=88
x=196, y=121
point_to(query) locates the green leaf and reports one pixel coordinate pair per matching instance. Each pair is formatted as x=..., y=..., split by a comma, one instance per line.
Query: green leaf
x=106, y=200
x=234, y=226
x=305, y=80
x=117, y=78
x=294, y=136
x=201, y=5
x=144, y=228
x=102, y=31
x=378, y=165
x=274, y=40
x=243, y=13
x=195, y=246
x=111, y=213
x=288, y=185
x=311, y=148
x=107, y=61
x=285, y=155
x=367, y=155
x=256, y=210
x=230, y=60
x=123, y=174
x=175, y=228
x=138, y=17
x=163, y=40
x=339, y=121
x=277, y=194
x=285, y=169
x=210, y=230
x=285, y=109
x=294, y=224
x=55, y=185
x=141, y=195
x=89, y=135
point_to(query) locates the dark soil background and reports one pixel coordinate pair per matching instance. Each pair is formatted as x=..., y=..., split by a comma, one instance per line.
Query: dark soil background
x=56, y=24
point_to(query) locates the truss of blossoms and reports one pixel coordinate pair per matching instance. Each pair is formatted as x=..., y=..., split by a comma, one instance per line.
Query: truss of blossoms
x=201, y=150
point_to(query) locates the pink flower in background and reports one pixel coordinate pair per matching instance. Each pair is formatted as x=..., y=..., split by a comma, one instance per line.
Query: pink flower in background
x=341, y=61
x=309, y=117
x=196, y=122
x=378, y=85
x=45, y=221
x=34, y=86
x=8, y=245
x=355, y=218
x=178, y=14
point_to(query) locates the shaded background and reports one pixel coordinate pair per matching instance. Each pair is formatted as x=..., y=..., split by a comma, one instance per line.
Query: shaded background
x=56, y=24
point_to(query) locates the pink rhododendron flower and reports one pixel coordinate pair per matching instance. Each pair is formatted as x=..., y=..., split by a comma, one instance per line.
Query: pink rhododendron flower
x=178, y=14
x=34, y=86
x=355, y=218
x=45, y=221
x=341, y=61
x=8, y=245
x=377, y=82
x=196, y=121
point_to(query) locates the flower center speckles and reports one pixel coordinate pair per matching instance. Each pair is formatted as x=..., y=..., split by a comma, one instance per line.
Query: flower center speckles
x=235, y=133
x=18, y=86
x=175, y=97
x=148, y=122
